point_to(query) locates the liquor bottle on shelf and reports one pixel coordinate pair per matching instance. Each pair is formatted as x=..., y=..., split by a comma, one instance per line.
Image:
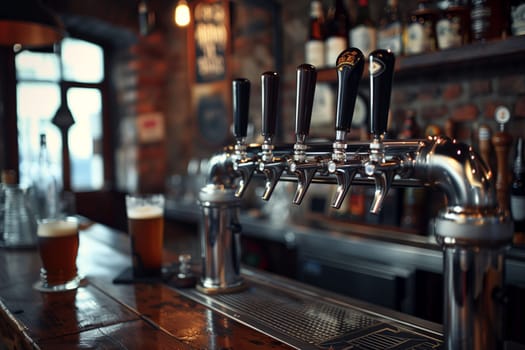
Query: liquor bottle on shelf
x=45, y=186
x=453, y=24
x=488, y=20
x=390, y=29
x=410, y=128
x=337, y=22
x=517, y=17
x=363, y=34
x=420, y=34
x=517, y=195
x=314, y=47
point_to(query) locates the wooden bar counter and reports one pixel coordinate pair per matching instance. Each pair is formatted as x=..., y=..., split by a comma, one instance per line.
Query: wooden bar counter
x=101, y=314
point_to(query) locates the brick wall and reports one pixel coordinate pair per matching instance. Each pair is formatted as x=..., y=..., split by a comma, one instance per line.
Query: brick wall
x=140, y=80
x=467, y=98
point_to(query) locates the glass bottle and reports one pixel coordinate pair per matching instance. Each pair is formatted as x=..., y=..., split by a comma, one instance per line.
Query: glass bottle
x=363, y=33
x=337, y=22
x=390, y=29
x=420, y=34
x=517, y=17
x=487, y=20
x=45, y=186
x=453, y=25
x=314, y=47
x=517, y=191
x=19, y=223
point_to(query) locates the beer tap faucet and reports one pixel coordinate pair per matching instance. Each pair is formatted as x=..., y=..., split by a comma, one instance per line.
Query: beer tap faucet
x=472, y=229
x=302, y=167
x=272, y=167
x=350, y=65
x=381, y=68
x=244, y=165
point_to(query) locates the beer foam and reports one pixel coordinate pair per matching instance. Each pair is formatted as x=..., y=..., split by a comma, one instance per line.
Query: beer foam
x=58, y=228
x=144, y=212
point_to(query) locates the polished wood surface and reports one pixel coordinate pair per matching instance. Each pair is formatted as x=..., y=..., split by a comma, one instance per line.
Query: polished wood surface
x=105, y=315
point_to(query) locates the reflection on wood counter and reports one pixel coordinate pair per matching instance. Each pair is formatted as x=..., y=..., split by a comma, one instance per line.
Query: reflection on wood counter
x=106, y=315
x=272, y=313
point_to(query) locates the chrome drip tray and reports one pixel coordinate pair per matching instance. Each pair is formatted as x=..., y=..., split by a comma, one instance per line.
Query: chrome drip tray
x=307, y=320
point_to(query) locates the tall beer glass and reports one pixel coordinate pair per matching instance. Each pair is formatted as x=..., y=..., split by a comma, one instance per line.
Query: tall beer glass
x=58, y=247
x=146, y=229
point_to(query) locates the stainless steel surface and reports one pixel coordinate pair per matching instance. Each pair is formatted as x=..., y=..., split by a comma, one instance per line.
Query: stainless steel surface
x=473, y=298
x=470, y=220
x=220, y=239
x=307, y=318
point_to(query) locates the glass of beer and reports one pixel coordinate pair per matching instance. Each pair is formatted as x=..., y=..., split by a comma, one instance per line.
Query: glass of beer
x=146, y=229
x=58, y=247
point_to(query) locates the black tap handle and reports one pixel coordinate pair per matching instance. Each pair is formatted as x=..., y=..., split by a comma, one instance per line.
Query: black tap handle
x=350, y=65
x=241, y=102
x=270, y=99
x=306, y=79
x=381, y=72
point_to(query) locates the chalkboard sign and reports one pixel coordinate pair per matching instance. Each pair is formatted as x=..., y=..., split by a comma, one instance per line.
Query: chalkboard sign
x=212, y=113
x=211, y=40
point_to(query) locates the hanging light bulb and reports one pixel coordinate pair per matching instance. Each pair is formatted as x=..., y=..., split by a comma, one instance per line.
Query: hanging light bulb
x=182, y=13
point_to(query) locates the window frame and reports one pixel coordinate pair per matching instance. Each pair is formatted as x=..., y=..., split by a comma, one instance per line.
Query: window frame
x=11, y=115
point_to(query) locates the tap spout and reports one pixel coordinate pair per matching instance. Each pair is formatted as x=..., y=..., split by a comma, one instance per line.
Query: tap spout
x=272, y=171
x=245, y=168
x=305, y=173
x=383, y=182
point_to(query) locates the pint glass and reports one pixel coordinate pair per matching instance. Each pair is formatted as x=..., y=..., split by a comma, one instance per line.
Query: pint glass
x=146, y=229
x=58, y=247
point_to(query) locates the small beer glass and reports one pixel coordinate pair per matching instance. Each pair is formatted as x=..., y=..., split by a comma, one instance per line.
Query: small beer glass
x=58, y=247
x=146, y=230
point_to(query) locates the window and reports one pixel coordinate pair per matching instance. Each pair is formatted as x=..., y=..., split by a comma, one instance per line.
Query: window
x=39, y=74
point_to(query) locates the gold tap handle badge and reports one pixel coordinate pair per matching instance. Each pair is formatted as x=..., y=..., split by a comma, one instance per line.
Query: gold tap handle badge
x=502, y=141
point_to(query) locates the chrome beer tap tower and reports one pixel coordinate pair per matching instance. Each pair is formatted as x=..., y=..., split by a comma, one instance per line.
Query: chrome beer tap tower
x=471, y=229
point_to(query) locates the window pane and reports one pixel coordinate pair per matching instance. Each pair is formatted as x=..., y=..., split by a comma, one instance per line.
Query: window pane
x=38, y=99
x=37, y=66
x=83, y=61
x=85, y=138
x=36, y=105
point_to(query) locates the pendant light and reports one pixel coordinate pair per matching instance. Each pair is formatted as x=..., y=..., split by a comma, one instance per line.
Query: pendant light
x=182, y=15
x=28, y=23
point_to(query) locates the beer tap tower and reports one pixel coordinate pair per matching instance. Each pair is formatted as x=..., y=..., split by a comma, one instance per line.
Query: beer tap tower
x=472, y=229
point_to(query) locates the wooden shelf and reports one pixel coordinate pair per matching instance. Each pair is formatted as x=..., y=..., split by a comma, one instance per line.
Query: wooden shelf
x=477, y=54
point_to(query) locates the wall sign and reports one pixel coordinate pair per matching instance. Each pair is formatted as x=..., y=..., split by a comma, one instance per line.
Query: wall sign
x=150, y=127
x=211, y=40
